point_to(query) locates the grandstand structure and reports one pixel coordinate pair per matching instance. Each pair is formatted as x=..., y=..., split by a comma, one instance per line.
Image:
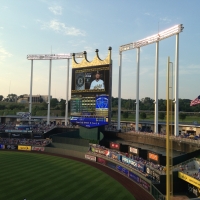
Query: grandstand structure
x=140, y=156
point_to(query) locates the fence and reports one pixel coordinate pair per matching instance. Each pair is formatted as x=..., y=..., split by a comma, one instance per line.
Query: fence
x=153, y=190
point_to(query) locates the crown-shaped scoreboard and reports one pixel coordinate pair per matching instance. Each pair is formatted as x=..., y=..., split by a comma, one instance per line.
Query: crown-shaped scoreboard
x=91, y=91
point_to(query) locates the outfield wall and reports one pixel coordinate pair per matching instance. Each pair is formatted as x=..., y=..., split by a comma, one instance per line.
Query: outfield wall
x=82, y=152
x=67, y=152
x=127, y=171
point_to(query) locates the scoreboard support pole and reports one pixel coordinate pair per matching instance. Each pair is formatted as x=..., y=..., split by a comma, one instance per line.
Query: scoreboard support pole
x=67, y=94
x=31, y=86
x=49, y=93
x=119, y=91
x=137, y=90
x=176, y=101
x=156, y=90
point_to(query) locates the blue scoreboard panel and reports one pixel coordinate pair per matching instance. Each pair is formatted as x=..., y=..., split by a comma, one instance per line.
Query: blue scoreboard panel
x=89, y=111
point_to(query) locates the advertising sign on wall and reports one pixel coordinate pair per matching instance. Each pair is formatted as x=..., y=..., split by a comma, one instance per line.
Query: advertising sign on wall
x=140, y=181
x=133, y=163
x=144, y=184
x=153, y=156
x=189, y=179
x=90, y=157
x=111, y=165
x=123, y=170
x=37, y=148
x=10, y=146
x=24, y=148
x=2, y=146
x=114, y=145
x=125, y=159
x=134, y=177
x=133, y=150
x=104, y=152
x=101, y=160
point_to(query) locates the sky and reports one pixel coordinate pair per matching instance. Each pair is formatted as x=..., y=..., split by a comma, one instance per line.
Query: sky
x=70, y=26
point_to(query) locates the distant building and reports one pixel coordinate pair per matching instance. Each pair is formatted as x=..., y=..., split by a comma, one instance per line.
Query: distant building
x=35, y=99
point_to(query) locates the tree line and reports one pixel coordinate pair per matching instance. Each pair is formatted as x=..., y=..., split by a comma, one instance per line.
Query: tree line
x=146, y=104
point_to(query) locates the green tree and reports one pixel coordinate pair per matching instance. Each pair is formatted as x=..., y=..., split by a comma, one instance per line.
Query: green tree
x=43, y=106
x=125, y=114
x=2, y=107
x=12, y=97
x=161, y=115
x=41, y=99
x=143, y=115
x=53, y=102
x=182, y=116
x=62, y=104
x=1, y=97
x=62, y=113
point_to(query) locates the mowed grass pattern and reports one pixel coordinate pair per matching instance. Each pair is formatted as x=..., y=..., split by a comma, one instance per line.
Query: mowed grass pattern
x=44, y=177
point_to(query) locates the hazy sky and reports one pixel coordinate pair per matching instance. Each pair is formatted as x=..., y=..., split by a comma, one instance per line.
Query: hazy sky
x=68, y=26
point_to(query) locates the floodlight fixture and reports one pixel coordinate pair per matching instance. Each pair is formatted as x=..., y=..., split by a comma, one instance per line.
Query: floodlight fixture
x=79, y=55
x=154, y=38
x=49, y=56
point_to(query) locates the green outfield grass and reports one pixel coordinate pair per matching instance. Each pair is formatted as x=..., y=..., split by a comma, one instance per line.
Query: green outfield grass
x=44, y=177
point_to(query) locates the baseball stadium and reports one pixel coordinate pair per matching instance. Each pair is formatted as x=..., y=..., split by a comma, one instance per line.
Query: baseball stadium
x=87, y=155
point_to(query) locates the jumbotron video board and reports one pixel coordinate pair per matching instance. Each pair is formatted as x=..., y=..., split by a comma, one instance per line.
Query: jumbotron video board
x=91, y=92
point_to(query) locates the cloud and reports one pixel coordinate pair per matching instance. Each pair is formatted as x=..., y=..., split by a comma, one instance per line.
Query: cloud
x=56, y=10
x=165, y=20
x=191, y=69
x=1, y=27
x=4, y=54
x=60, y=27
x=149, y=14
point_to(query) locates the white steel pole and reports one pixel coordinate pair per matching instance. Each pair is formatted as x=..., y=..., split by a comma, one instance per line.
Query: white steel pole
x=176, y=117
x=48, y=114
x=137, y=90
x=31, y=86
x=67, y=91
x=119, y=91
x=156, y=89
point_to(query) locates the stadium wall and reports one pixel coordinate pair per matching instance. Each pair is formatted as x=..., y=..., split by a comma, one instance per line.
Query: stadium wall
x=67, y=152
x=182, y=145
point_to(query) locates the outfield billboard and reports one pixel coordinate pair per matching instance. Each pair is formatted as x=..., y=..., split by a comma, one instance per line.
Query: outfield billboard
x=90, y=157
x=104, y=152
x=101, y=160
x=133, y=150
x=2, y=146
x=114, y=145
x=11, y=146
x=153, y=157
x=140, y=181
x=189, y=179
x=24, y=148
x=111, y=164
x=34, y=148
x=123, y=170
x=91, y=93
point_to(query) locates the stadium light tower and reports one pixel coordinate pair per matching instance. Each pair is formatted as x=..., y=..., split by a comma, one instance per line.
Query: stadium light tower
x=175, y=30
x=49, y=57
